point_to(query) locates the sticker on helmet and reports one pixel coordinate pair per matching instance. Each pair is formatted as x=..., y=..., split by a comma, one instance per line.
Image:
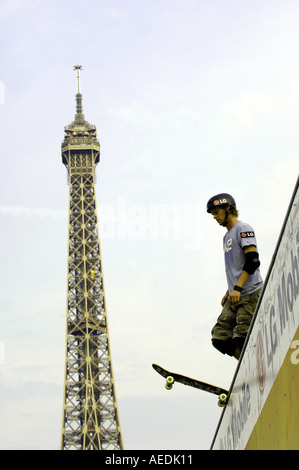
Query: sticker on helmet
x=217, y=202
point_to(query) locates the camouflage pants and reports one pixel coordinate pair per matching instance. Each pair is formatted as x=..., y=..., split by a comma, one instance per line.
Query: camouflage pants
x=234, y=321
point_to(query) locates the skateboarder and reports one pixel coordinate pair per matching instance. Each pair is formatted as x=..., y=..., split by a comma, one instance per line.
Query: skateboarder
x=243, y=276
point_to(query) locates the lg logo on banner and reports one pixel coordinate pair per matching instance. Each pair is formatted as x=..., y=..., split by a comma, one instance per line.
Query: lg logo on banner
x=295, y=354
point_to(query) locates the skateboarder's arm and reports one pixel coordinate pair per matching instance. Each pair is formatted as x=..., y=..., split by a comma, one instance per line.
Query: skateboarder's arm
x=244, y=276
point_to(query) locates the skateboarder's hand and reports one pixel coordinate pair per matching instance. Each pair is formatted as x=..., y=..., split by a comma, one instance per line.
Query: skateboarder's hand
x=234, y=297
x=224, y=299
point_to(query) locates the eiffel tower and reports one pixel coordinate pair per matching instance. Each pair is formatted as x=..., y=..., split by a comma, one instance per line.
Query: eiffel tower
x=90, y=413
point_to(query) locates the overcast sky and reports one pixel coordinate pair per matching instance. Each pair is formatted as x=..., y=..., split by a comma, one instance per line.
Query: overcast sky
x=190, y=98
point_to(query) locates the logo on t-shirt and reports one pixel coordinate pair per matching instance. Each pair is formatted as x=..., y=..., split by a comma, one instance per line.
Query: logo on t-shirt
x=247, y=235
x=228, y=245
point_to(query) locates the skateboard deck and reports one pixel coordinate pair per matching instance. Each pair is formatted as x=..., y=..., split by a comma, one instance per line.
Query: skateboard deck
x=172, y=377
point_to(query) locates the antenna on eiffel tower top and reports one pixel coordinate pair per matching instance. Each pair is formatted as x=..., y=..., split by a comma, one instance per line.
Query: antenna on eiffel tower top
x=79, y=107
x=78, y=68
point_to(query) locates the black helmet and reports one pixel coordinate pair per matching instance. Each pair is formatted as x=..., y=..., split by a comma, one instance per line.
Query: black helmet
x=220, y=200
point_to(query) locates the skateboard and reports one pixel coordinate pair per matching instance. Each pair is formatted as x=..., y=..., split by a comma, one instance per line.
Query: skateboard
x=172, y=377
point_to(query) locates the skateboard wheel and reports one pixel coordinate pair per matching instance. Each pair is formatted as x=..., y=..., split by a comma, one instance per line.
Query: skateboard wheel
x=169, y=383
x=222, y=400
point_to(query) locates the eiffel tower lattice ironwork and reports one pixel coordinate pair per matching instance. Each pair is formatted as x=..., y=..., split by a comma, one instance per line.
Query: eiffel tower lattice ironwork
x=90, y=413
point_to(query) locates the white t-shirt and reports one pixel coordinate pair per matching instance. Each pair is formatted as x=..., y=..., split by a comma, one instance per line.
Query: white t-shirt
x=234, y=242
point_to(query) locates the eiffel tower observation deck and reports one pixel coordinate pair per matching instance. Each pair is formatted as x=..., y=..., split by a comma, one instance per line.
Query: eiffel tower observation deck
x=90, y=413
